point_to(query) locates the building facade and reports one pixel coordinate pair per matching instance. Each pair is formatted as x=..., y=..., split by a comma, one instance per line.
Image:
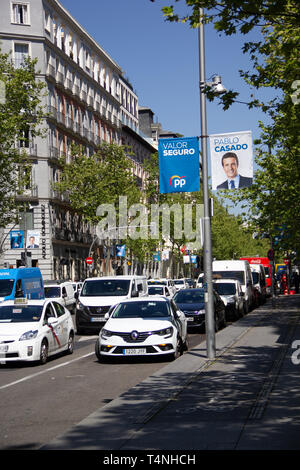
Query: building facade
x=88, y=101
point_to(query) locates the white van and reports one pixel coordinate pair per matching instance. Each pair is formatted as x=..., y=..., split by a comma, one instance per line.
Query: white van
x=259, y=281
x=63, y=292
x=99, y=294
x=240, y=270
x=200, y=280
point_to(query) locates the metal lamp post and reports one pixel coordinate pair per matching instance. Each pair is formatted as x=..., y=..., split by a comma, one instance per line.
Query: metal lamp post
x=209, y=307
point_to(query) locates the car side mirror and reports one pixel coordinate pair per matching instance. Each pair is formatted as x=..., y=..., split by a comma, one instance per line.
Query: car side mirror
x=52, y=321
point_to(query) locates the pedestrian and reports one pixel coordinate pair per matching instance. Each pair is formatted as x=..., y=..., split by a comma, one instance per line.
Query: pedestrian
x=296, y=282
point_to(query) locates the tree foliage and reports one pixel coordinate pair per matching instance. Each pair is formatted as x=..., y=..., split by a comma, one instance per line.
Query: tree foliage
x=230, y=237
x=274, y=64
x=21, y=114
x=101, y=178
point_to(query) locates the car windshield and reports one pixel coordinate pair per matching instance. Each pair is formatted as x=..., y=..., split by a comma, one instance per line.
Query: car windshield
x=239, y=275
x=51, y=292
x=225, y=289
x=6, y=287
x=189, y=297
x=180, y=281
x=20, y=313
x=155, y=290
x=255, y=277
x=105, y=287
x=143, y=309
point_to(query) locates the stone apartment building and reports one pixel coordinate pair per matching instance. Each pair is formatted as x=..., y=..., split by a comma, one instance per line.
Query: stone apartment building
x=88, y=101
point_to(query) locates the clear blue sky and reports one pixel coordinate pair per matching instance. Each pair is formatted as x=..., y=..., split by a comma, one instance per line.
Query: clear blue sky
x=161, y=61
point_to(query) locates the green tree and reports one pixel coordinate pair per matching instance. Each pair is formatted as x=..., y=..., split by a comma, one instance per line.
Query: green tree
x=230, y=236
x=272, y=200
x=21, y=115
x=90, y=181
x=274, y=196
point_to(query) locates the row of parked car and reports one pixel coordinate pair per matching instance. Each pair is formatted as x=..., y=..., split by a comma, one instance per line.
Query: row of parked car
x=130, y=319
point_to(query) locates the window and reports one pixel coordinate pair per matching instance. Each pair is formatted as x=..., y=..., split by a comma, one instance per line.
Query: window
x=60, y=311
x=20, y=53
x=48, y=314
x=20, y=13
x=19, y=290
x=47, y=21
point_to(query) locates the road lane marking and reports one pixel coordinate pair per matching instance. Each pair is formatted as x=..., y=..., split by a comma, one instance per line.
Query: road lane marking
x=28, y=377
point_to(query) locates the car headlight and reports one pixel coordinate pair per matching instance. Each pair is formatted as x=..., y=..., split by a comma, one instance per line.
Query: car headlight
x=167, y=332
x=80, y=306
x=28, y=335
x=200, y=311
x=105, y=333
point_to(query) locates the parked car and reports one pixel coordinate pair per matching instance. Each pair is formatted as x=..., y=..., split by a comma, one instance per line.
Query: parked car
x=99, y=294
x=159, y=290
x=179, y=284
x=77, y=286
x=230, y=291
x=190, y=282
x=200, y=280
x=63, y=292
x=240, y=270
x=33, y=330
x=143, y=327
x=259, y=282
x=191, y=303
x=165, y=282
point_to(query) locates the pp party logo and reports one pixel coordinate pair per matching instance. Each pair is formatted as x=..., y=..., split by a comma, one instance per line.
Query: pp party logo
x=177, y=181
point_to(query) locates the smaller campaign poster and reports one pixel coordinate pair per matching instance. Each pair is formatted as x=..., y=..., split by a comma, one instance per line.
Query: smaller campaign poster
x=33, y=239
x=179, y=166
x=231, y=160
x=16, y=239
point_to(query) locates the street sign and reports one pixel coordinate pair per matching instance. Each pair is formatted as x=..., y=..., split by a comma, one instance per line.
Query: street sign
x=89, y=260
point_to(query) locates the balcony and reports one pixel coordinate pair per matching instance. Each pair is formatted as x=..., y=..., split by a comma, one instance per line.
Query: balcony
x=28, y=194
x=61, y=118
x=69, y=85
x=60, y=78
x=83, y=96
x=29, y=149
x=90, y=101
x=61, y=196
x=53, y=112
x=54, y=154
x=50, y=72
x=76, y=90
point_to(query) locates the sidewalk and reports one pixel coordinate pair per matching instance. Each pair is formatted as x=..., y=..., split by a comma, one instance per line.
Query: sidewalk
x=248, y=398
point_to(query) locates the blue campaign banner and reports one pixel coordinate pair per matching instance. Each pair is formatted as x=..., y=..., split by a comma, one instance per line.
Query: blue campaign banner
x=179, y=166
x=16, y=239
x=120, y=250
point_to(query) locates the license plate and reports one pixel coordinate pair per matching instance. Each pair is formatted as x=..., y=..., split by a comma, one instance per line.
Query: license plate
x=134, y=351
x=190, y=318
x=95, y=319
x=3, y=348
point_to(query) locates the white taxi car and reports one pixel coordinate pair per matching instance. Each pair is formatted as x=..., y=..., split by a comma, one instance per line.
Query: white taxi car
x=32, y=330
x=143, y=327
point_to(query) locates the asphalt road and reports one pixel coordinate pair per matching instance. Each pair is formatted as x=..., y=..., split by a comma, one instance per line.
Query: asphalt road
x=39, y=403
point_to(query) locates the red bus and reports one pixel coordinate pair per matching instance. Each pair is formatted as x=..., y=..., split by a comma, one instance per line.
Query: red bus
x=266, y=264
